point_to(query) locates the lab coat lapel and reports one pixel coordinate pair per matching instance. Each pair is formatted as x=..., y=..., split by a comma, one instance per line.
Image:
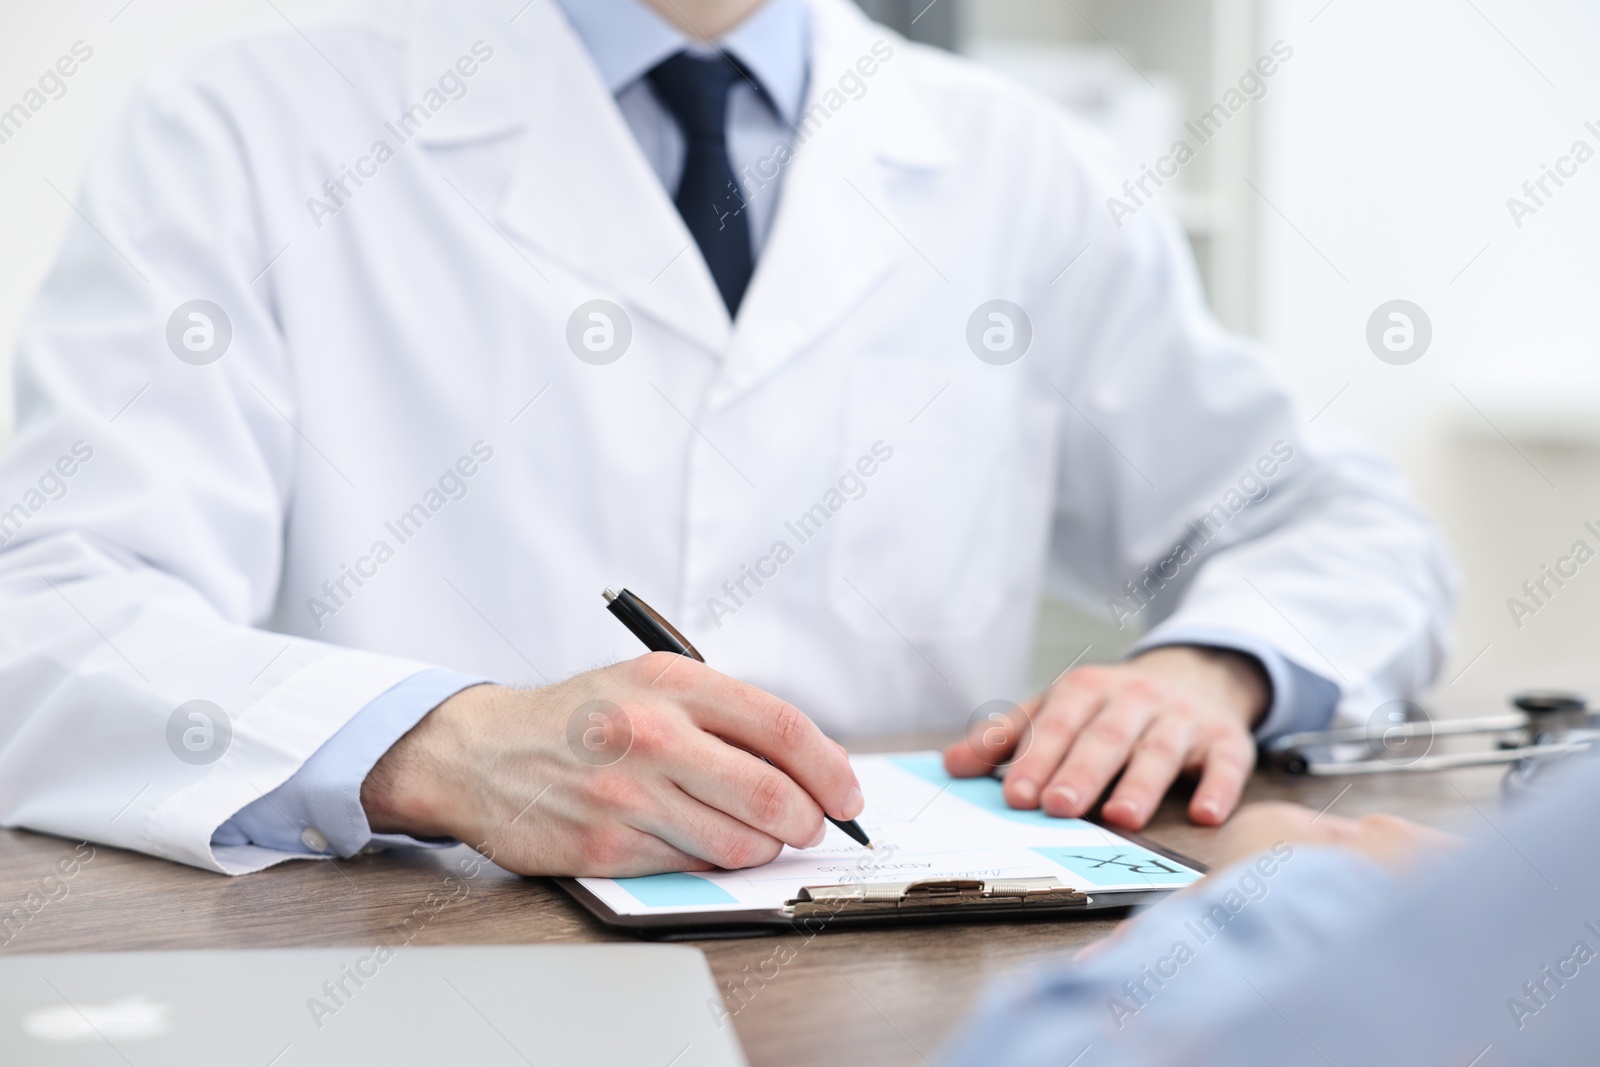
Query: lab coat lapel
x=829, y=244
x=584, y=192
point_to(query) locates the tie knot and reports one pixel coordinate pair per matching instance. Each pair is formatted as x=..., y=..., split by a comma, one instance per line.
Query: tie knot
x=695, y=90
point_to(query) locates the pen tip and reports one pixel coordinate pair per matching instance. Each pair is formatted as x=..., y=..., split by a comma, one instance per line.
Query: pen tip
x=870, y=845
x=609, y=594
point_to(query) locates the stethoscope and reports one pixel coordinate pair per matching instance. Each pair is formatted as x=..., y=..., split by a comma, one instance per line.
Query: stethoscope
x=1546, y=726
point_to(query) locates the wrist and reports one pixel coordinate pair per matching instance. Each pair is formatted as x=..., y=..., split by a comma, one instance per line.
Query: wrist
x=1232, y=680
x=416, y=787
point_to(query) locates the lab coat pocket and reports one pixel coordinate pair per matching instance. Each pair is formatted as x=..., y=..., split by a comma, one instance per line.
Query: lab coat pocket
x=920, y=554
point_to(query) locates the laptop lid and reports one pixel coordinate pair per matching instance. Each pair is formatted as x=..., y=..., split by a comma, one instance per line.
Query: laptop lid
x=600, y=1005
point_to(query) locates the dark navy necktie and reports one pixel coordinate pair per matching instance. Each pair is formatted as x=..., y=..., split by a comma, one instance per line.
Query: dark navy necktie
x=694, y=90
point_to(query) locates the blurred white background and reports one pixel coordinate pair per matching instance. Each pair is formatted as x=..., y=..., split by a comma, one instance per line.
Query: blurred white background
x=1379, y=164
x=1376, y=167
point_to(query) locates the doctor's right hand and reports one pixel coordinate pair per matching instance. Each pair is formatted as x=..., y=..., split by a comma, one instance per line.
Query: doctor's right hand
x=642, y=767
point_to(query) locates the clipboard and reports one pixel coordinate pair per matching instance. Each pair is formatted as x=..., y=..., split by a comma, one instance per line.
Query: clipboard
x=949, y=850
x=853, y=905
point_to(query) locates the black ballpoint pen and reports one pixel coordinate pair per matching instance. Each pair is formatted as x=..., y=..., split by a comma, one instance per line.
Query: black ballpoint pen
x=659, y=635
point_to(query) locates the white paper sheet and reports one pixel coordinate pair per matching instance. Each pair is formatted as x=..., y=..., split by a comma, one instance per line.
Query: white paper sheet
x=923, y=824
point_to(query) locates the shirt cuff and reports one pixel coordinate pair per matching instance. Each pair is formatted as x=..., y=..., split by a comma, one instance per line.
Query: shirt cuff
x=318, y=811
x=1301, y=699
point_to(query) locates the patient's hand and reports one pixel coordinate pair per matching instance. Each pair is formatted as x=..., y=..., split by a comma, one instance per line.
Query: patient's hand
x=1171, y=710
x=1394, y=842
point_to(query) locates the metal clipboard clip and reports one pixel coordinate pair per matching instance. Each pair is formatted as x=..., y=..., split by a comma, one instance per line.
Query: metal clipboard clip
x=1546, y=726
x=935, y=896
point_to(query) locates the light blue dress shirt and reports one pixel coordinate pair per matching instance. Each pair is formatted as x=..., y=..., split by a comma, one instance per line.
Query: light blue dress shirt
x=626, y=38
x=1489, y=958
x=318, y=810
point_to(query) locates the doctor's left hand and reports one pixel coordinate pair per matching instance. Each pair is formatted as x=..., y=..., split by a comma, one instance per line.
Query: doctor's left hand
x=1168, y=711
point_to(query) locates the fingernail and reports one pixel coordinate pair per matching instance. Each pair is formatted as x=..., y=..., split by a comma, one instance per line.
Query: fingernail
x=1208, y=808
x=822, y=831
x=1124, y=810
x=1071, y=797
x=1027, y=792
x=854, y=802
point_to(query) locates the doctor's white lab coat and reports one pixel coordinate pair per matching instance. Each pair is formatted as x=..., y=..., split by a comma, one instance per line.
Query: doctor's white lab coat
x=420, y=447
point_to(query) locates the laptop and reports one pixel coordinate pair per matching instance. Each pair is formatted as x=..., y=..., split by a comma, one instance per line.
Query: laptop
x=601, y=1005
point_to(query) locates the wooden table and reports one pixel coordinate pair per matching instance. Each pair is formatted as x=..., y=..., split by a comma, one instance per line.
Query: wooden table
x=884, y=997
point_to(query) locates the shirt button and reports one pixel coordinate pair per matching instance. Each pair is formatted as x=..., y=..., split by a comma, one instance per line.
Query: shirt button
x=314, y=839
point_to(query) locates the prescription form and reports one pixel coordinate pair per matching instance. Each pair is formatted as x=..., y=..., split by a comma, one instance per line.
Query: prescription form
x=924, y=824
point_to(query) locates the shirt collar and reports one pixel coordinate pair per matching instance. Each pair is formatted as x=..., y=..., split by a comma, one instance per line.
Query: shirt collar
x=627, y=38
